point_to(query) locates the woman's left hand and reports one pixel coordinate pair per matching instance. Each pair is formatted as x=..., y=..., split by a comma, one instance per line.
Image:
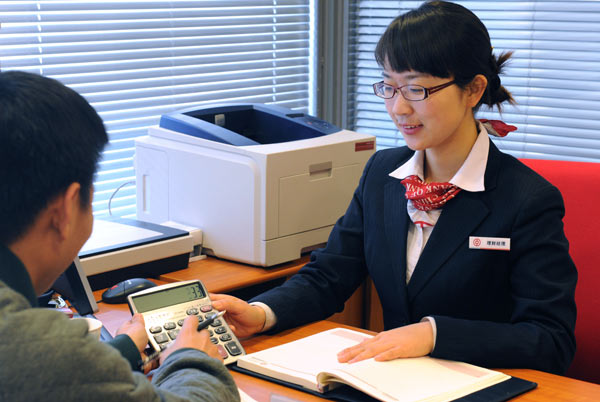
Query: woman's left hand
x=413, y=340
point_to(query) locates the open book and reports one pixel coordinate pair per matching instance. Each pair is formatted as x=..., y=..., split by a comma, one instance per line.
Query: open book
x=312, y=363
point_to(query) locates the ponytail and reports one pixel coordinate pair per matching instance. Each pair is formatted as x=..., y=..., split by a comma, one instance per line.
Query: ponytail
x=495, y=94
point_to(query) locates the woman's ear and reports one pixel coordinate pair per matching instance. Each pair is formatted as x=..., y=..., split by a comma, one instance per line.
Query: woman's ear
x=475, y=89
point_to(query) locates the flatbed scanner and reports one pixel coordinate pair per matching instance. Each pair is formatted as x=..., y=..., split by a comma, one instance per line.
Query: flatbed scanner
x=263, y=183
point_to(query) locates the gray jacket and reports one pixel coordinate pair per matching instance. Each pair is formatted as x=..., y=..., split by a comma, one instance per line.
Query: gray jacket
x=46, y=356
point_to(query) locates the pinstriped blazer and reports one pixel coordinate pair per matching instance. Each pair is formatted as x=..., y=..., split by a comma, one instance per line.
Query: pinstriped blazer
x=493, y=308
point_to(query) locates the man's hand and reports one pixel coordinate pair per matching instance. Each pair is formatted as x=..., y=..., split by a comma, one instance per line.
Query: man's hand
x=243, y=319
x=136, y=330
x=190, y=337
x=413, y=340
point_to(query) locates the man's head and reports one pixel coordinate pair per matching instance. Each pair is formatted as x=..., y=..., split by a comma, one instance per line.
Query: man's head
x=50, y=142
x=50, y=137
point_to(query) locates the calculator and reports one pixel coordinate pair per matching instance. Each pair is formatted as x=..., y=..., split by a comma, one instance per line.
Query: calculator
x=165, y=307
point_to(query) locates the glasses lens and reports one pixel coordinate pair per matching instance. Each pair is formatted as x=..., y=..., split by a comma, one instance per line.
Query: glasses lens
x=383, y=90
x=413, y=92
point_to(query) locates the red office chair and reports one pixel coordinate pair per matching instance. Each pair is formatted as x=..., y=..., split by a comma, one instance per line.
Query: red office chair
x=579, y=183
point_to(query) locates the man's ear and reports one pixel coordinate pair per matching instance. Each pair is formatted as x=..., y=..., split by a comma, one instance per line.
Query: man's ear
x=475, y=89
x=63, y=208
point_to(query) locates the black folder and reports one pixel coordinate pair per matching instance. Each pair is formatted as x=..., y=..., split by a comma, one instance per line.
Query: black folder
x=496, y=393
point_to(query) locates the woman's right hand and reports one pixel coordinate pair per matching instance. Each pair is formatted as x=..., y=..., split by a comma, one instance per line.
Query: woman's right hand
x=243, y=319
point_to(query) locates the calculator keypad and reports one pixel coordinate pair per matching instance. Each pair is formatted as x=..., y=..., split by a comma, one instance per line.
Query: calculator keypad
x=164, y=327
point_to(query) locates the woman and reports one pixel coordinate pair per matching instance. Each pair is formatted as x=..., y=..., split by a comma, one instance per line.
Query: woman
x=464, y=243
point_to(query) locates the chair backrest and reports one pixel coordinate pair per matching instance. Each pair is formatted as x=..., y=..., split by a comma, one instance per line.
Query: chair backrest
x=579, y=183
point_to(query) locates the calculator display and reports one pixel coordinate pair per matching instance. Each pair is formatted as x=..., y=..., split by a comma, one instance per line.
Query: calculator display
x=168, y=297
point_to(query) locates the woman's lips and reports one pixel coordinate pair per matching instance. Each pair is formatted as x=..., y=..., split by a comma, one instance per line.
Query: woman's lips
x=410, y=128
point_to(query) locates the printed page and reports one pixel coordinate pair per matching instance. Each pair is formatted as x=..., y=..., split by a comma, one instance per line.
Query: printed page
x=400, y=380
x=300, y=361
x=417, y=379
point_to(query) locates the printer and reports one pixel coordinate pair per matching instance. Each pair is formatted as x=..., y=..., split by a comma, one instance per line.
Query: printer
x=263, y=183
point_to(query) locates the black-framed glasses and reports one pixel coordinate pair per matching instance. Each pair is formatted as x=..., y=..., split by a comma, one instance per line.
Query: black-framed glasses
x=409, y=92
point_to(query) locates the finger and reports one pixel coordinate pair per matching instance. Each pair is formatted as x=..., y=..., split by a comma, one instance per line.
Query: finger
x=347, y=354
x=354, y=350
x=190, y=324
x=361, y=356
x=137, y=317
x=390, y=354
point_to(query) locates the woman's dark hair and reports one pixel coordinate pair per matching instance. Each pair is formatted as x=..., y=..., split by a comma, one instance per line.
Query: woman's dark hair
x=50, y=137
x=444, y=40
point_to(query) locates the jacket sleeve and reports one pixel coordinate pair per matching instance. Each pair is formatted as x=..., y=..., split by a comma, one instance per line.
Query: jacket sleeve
x=186, y=375
x=63, y=362
x=124, y=344
x=540, y=332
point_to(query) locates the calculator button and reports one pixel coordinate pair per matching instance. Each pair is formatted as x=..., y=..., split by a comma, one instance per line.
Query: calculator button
x=216, y=323
x=155, y=330
x=225, y=337
x=214, y=340
x=163, y=346
x=220, y=330
x=173, y=334
x=161, y=338
x=222, y=351
x=233, y=348
x=210, y=332
x=169, y=325
x=206, y=308
x=180, y=323
x=192, y=311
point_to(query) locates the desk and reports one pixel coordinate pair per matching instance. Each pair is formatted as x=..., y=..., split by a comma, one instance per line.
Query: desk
x=221, y=276
x=550, y=387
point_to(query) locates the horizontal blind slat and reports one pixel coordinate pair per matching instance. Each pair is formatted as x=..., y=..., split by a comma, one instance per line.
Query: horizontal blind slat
x=554, y=73
x=136, y=60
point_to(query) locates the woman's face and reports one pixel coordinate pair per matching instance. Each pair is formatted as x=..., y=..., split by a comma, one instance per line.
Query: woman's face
x=438, y=122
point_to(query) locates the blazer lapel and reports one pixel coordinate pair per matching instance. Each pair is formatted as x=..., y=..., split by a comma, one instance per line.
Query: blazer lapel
x=396, y=229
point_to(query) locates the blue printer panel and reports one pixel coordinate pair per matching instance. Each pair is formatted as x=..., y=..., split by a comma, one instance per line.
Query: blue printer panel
x=247, y=124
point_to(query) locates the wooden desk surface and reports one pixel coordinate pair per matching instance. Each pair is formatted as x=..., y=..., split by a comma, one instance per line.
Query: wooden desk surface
x=550, y=387
x=221, y=276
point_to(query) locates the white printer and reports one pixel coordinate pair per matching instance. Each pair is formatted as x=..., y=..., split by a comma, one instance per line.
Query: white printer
x=264, y=183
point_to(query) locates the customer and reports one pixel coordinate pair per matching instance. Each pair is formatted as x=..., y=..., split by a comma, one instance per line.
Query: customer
x=50, y=142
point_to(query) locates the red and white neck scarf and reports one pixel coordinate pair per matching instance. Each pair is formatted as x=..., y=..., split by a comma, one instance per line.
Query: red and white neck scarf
x=428, y=196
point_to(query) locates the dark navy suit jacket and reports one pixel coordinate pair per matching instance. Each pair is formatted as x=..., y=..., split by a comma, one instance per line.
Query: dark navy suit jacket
x=492, y=308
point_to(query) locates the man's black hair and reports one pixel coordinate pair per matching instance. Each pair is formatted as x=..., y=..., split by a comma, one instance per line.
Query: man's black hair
x=50, y=137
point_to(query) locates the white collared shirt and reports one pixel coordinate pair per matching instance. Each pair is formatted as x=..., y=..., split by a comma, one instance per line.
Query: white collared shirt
x=470, y=177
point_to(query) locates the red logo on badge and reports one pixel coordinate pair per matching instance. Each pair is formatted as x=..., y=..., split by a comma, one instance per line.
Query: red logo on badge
x=477, y=242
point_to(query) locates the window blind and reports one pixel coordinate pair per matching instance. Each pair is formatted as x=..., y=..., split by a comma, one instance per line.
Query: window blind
x=554, y=74
x=136, y=60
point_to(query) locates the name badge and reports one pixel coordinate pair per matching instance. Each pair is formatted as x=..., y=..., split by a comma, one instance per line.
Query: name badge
x=489, y=243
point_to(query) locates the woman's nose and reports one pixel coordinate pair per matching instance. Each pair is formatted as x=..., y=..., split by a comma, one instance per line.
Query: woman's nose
x=400, y=105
